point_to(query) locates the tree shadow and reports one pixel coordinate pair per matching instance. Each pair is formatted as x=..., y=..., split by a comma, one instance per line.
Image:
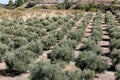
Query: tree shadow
x=9, y=73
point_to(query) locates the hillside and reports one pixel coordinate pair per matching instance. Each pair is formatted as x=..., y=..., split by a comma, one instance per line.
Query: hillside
x=2, y=5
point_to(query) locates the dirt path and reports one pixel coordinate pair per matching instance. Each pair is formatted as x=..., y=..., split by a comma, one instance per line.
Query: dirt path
x=105, y=37
x=106, y=76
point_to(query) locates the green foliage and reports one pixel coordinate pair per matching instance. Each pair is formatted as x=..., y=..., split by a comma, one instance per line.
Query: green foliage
x=76, y=35
x=3, y=50
x=46, y=71
x=10, y=3
x=80, y=75
x=51, y=27
x=60, y=34
x=60, y=6
x=48, y=42
x=88, y=75
x=18, y=42
x=97, y=30
x=44, y=7
x=19, y=3
x=96, y=35
x=89, y=60
x=19, y=60
x=4, y=38
x=114, y=43
x=117, y=73
x=91, y=45
x=62, y=54
x=36, y=47
x=60, y=21
x=30, y=4
x=115, y=56
x=115, y=34
x=77, y=17
x=70, y=44
x=117, y=13
x=80, y=6
x=32, y=21
x=68, y=5
x=64, y=29
x=74, y=75
x=45, y=23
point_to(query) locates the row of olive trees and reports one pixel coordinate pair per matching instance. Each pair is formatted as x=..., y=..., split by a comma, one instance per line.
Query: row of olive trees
x=90, y=55
x=97, y=30
x=114, y=42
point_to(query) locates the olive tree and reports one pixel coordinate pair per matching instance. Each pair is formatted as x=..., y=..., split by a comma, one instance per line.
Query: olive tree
x=48, y=42
x=89, y=60
x=80, y=75
x=61, y=54
x=117, y=75
x=60, y=35
x=46, y=71
x=70, y=44
x=90, y=45
x=18, y=42
x=19, y=60
x=3, y=50
x=36, y=47
x=115, y=56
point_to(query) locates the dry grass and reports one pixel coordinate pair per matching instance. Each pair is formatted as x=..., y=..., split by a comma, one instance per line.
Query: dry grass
x=33, y=12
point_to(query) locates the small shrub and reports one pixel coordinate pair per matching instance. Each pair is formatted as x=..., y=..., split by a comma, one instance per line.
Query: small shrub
x=19, y=60
x=60, y=34
x=91, y=45
x=36, y=47
x=96, y=35
x=80, y=6
x=46, y=71
x=80, y=75
x=60, y=6
x=88, y=75
x=64, y=29
x=61, y=54
x=117, y=75
x=115, y=43
x=3, y=50
x=89, y=60
x=68, y=5
x=45, y=23
x=74, y=75
x=44, y=7
x=115, y=35
x=4, y=38
x=48, y=42
x=115, y=56
x=76, y=35
x=70, y=44
x=41, y=32
x=18, y=42
x=30, y=4
x=51, y=27
x=60, y=22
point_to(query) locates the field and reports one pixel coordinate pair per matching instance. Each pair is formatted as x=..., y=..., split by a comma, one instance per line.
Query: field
x=60, y=46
